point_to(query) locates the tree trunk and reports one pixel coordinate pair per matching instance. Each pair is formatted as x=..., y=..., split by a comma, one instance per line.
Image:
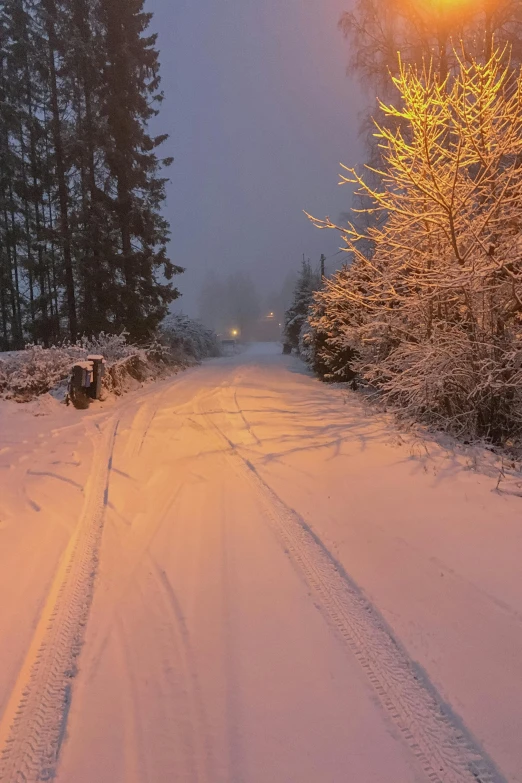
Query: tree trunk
x=63, y=196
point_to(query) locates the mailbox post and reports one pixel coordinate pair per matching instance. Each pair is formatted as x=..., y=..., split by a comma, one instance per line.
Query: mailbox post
x=98, y=371
x=86, y=381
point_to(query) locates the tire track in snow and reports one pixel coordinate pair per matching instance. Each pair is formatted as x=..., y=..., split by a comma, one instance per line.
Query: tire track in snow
x=245, y=421
x=444, y=749
x=178, y=651
x=33, y=725
x=139, y=428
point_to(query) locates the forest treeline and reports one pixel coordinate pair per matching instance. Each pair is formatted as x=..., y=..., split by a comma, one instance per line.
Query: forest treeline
x=82, y=238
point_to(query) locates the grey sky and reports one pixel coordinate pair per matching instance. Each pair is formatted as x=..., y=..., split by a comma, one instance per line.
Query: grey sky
x=260, y=113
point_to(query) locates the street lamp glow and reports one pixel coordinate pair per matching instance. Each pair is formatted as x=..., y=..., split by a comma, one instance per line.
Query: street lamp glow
x=234, y=332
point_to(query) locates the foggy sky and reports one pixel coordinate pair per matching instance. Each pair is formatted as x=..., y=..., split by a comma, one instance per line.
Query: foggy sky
x=260, y=112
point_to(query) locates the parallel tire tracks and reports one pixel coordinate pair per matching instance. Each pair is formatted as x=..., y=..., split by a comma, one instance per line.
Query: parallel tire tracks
x=444, y=749
x=33, y=725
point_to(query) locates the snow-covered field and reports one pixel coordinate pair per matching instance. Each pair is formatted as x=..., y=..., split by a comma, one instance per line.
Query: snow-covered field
x=287, y=588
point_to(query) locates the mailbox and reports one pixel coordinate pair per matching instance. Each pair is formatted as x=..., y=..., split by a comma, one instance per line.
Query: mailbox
x=79, y=384
x=98, y=371
x=85, y=383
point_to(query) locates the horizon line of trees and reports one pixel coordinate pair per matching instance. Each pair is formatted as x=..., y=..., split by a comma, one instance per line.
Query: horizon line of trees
x=82, y=238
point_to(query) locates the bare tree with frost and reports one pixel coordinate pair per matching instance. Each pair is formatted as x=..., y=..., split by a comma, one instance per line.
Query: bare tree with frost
x=435, y=314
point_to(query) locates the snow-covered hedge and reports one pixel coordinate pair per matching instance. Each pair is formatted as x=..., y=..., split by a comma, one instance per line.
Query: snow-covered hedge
x=37, y=370
x=188, y=337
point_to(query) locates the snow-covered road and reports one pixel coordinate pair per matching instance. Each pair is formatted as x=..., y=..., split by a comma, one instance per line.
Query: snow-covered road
x=267, y=563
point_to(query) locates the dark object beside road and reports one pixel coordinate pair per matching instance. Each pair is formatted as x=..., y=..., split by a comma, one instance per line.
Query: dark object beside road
x=85, y=383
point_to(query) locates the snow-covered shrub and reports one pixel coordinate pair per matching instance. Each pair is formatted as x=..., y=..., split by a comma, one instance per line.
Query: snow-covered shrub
x=111, y=346
x=433, y=316
x=37, y=370
x=188, y=337
x=158, y=352
x=455, y=384
x=135, y=366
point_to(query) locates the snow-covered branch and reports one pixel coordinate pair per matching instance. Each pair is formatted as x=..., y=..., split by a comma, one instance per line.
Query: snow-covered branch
x=433, y=317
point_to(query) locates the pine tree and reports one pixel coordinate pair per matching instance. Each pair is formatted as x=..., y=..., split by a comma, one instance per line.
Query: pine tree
x=330, y=351
x=53, y=16
x=130, y=88
x=83, y=65
x=296, y=315
x=82, y=237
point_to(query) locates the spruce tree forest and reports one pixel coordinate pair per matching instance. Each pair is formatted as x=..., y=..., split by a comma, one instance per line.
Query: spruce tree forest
x=82, y=237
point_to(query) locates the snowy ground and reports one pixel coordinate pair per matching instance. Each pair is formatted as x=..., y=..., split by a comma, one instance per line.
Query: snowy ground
x=288, y=589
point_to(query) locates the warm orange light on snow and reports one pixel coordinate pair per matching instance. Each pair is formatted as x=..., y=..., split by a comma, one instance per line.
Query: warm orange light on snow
x=442, y=4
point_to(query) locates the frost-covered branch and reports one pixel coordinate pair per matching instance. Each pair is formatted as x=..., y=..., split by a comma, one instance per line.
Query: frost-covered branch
x=433, y=316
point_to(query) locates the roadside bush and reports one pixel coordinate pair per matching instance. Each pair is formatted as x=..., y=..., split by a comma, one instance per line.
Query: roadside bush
x=187, y=337
x=36, y=370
